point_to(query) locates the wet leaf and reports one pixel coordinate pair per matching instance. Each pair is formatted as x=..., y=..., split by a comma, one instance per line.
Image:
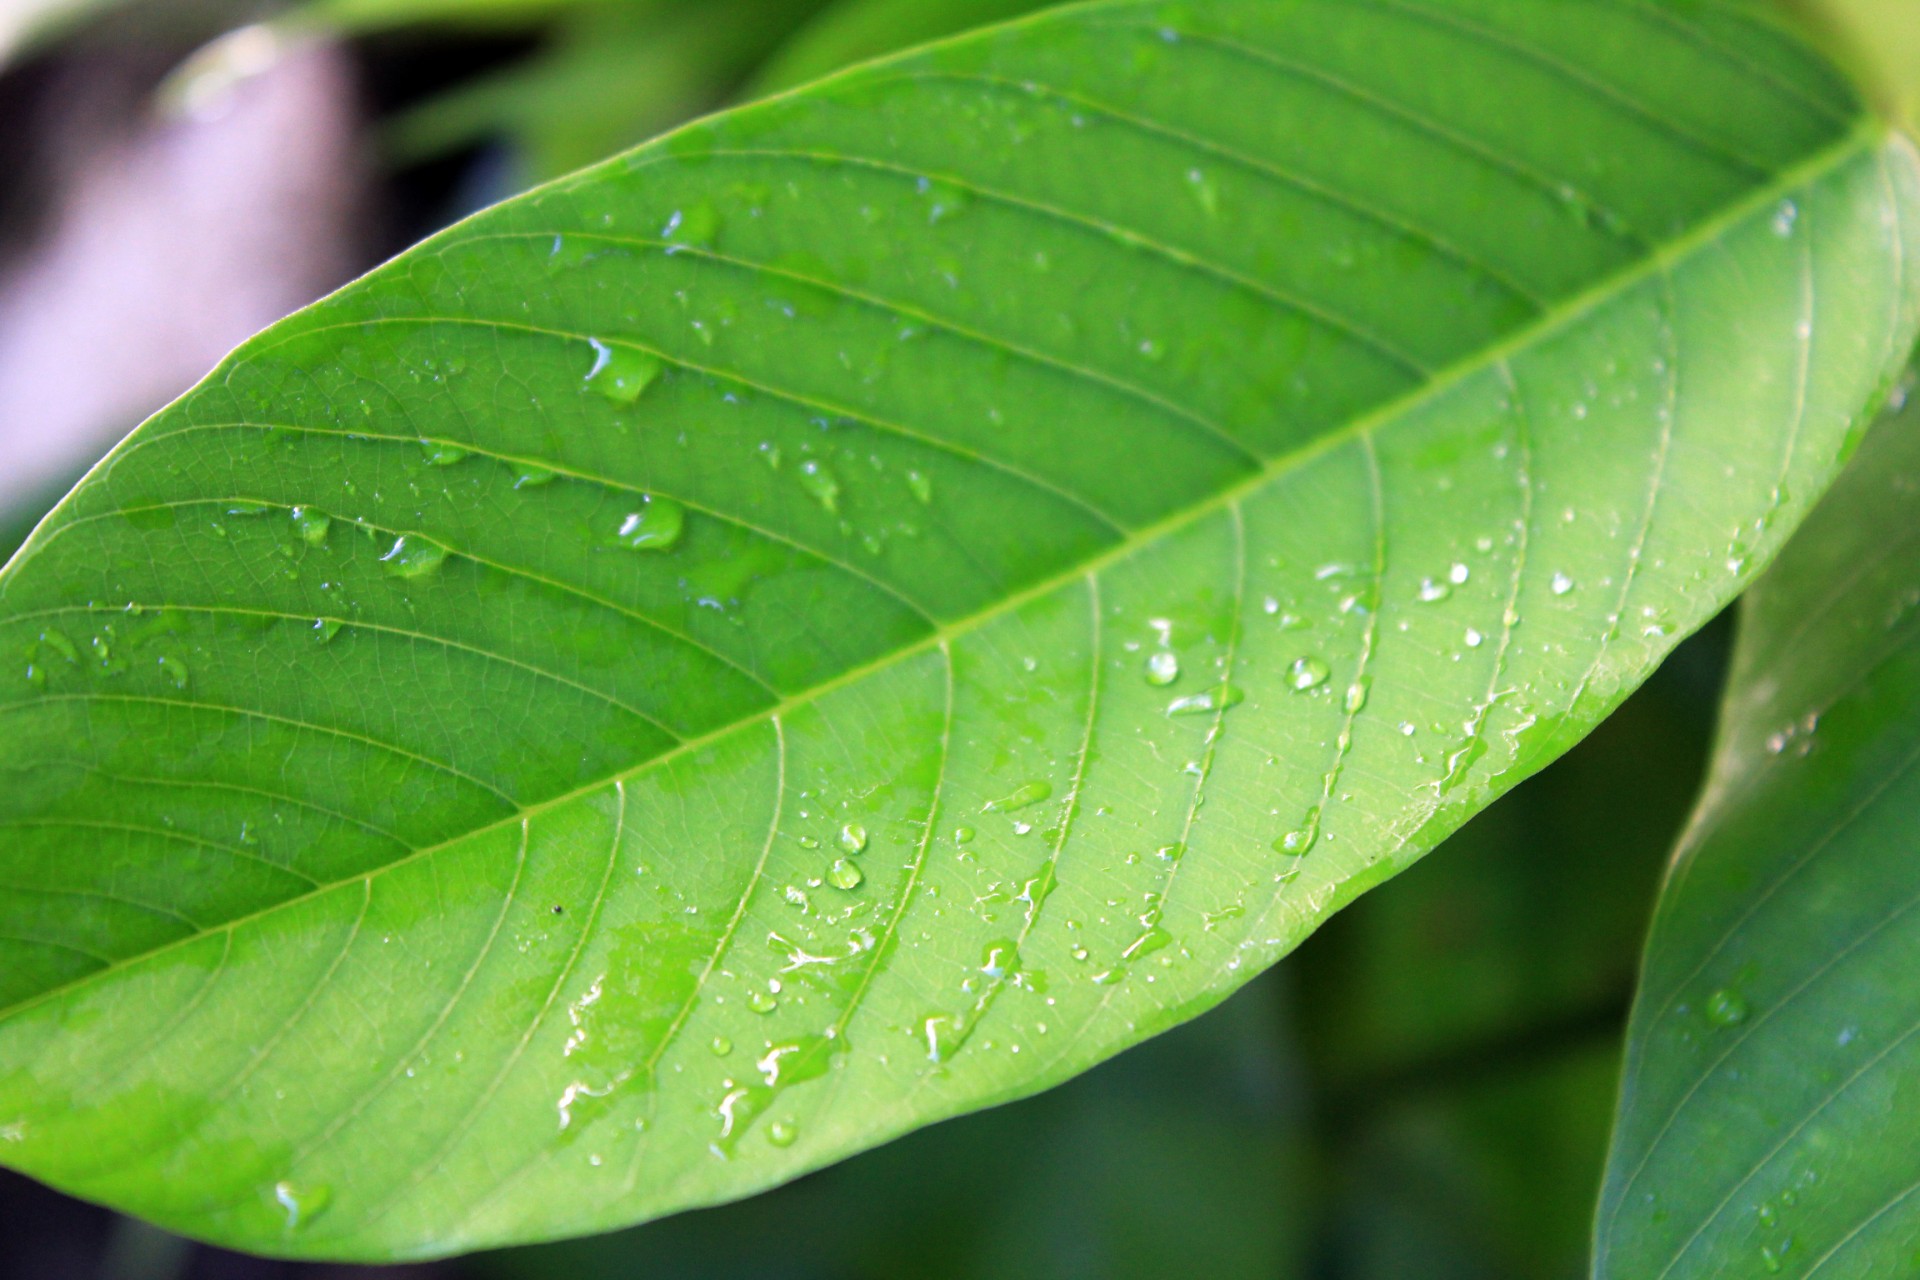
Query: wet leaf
x=1415, y=373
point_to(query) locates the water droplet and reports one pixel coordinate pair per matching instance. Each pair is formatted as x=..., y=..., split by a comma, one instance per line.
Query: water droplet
x=721, y=1046
x=761, y=1002
x=325, y=629
x=999, y=959
x=946, y=200
x=1204, y=191
x=655, y=527
x=1307, y=673
x=1170, y=852
x=944, y=1033
x=696, y=226
x=175, y=671
x=532, y=478
x=963, y=835
x=62, y=647
x=1163, y=668
x=1726, y=1008
x=921, y=487
x=781, y=1134
x=1432, y=592
x=1299, y=842
x=1357, y=693
x=621, y=374
x=1459, y=574
x=413, y=556
x=1019, y=798
x=821, y=484
x=247, y=509
x=1219, y=699
x=853, y=838
x=1562, y=584
x=1147, y=943
x=311, y=525
x=1474, y=638
x=1784, y=217
x=441, y=454
x=844, y=875
x=300, y=1204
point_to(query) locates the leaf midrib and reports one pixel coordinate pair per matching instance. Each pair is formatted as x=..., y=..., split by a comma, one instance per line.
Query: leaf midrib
x=1867, y=132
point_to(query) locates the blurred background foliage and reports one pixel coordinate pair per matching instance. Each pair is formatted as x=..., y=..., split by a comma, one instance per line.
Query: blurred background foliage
x=1421, y=1093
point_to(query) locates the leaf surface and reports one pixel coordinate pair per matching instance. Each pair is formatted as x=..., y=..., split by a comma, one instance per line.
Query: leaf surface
x=1765, y=1121
x=871, y=604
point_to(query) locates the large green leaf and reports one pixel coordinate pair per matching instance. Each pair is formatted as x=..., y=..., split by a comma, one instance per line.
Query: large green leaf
x=1766, y=1117
x=884, y=598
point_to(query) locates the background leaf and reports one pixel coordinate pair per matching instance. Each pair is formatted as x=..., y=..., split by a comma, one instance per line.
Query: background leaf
x=1766, y=1119
x=876, y=602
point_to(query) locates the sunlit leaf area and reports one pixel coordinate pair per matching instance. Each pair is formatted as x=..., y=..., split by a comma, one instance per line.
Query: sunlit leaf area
x=875, y=639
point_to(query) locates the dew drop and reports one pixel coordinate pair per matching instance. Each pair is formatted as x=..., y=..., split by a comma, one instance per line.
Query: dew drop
x=1170, y=852
x=1432, y=592
x=782, y=1134
x=1217, y=699
x=1163, y=668
x=312, y=526
x=621, y=374
x=1784, y=217
x=1562, y=584
x=441, y=454
x=413, y=556
x=1307, y=673
x=963, y=835
x=721, y=1046
x=761, y=1002
x=1474, y=638
x=325, y=629
x=1726, y=1008
x=1019, y=798
x=1357, y=695
x=821, y=485
x=1459, y=574
x=921, y=487
x=1298, y=842
x=532, y=478
x=696, y=226
x=300, y=1204
x=174, y=670
x=657, y=526
x=844, y=875
x=853, y=838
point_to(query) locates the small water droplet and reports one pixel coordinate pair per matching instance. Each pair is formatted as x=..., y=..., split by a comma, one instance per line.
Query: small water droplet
x=413, y=556
x=312, y=526
x=1784, y=217
x=247, y=508
x=1204, y=191
x=1019, y=798
x=999, y=959
x=1474, y=638
x=1459, y=574
x=1562, y=584
x=821, y=485
x=1726, y=1008
x=301, y=1205
x=657, y=526
x=325, y=629
x=175, y=671
x=1217, y=699
x=853, y=838
x=781, y=1134
x=721, y=1046
x=1432, y=592
x=1298, y=842
x=963, y=835
x=1163, y=668
x=1357, y=693
x=441, y=454
x=844, y=875
x=621, y=374
x=1170, y=852
x=761, y=1002
x=532, y=478
x=1307, y=673
x=696, y=226
x=921, y=487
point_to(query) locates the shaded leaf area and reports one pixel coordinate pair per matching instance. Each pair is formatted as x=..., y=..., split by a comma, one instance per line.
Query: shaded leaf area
x=1766, y=1119
x=855, y=30
x=874, y=603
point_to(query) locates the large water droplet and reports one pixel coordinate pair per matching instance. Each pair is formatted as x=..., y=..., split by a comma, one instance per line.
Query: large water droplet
x=442, y=454
x=1019, y=798
x=1000, y=959
x=621, y=374
x=1298, y=842
x=1357, y=694
x=1163, y=668
x=761, y=1002
x=844, y=875
x=1562, y=584
x=1726, y=1008
x=853, y=838
x=781, y=1133
x=413, y=556
x=1307, y=673
x=655, y=527
x=301, y=1205
x=311, y=525
x=696, y=226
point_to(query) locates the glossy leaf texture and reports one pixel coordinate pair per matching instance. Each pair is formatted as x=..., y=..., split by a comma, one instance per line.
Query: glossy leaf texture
x=1766, y=1117
x=884, y=598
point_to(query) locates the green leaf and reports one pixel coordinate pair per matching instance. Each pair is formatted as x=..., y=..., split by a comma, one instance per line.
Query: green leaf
x=882, y=599
x=1763, y=1121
